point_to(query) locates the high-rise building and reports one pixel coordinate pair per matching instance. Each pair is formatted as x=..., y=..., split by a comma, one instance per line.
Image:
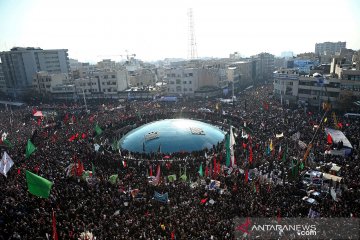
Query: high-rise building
x=329, y=48
x=264, y=66
x=2, y=80
x=20, y=65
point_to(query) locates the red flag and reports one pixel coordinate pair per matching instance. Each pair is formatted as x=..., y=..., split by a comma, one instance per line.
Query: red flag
x=19, y=171
x=173, y=235
x=244, y=146
x=66, y=118
x=246, y=176
x=215, y=167
x=157, y=179
x=202, y=201
x=151, y=171
x=36, y=169
x=55, y=235
x=34, y=111
x=340, y=125
x=250, y=154
x=329, y=139
x=279, y=216
x=72, y=138
x=168, y=165
x=206, y=171
x=83, y=136
x=80, y=168
x=124, y=163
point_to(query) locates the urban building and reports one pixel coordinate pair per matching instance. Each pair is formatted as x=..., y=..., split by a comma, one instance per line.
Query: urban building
x=142, y=78
x=304, y=65
x=2, y=81
x=244, y=73
x=20, y=65
x=58, y=85
x=292, y=88
x=264, y=67
x=102, y=84
x=329, y=48
x=185, y=81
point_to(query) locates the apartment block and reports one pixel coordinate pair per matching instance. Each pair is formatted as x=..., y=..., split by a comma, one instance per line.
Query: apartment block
x=20, y=65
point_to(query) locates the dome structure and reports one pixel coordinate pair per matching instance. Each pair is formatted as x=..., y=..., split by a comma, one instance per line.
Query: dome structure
x=172, y=135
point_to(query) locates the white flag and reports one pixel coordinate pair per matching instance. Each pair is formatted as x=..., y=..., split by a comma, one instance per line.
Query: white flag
x=5, y=164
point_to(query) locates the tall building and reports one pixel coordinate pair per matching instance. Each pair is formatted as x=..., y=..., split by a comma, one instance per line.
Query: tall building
x=329, y=48
x=264, y=66
x=20, y=65
x=2, y=80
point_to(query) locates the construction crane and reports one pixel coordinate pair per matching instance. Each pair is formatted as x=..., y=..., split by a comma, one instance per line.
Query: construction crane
x=129, y=57
x=326, y=108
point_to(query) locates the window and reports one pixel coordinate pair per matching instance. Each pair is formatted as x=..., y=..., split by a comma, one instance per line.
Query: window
x=106, y=76
x=190, y=82
x=112, y=76
x=190, y=74
x=184, y=82
x=178, y=81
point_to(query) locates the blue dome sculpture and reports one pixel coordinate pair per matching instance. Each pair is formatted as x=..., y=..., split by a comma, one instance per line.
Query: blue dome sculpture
x=172, y=135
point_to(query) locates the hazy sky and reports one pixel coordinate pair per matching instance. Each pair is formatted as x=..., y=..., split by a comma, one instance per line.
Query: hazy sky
x=156, y=29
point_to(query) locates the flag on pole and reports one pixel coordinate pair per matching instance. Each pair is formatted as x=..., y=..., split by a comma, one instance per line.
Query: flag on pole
x=5, y=164
x=172, y=178
x=37, y=185
x=230, y=142
x=8, y=143
x=157, y=178
x=201, y=171
x=113, y=179
x=151, y=173
x=93, y=169
x=98, y=130
x=329, y=139
x=30, y=148
x=164, y=198
x=55, y=235
x=285, y=153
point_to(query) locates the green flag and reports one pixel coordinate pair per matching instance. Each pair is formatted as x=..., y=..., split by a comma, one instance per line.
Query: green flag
x=115, y=145
x=8, y=143
x=30, y=148
x=285, y=153
x=172, y=178
x=301, y=165
x=113, y=179
x=201, y=172
x=183, y=177
x=37, y=185
x=93, y=169
x=228, y=150
x=85, y=175
x=98, y=130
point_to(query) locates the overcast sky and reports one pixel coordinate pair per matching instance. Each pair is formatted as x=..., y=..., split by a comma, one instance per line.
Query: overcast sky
x=157, y=29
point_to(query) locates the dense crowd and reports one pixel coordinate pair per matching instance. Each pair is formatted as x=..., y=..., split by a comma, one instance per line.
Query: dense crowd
x=109, y=211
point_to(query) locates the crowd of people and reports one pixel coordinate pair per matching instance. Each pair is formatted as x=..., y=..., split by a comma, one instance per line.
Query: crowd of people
x=264, y=183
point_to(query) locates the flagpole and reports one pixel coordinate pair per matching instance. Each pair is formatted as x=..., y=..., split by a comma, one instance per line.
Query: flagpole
x=84, y=100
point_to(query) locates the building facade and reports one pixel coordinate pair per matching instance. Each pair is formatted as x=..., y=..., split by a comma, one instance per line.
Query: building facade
x=20, y=65
x=264, y=67
x=102, y=84
x=290, y=87
x=329, y=48
x=2, y=81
